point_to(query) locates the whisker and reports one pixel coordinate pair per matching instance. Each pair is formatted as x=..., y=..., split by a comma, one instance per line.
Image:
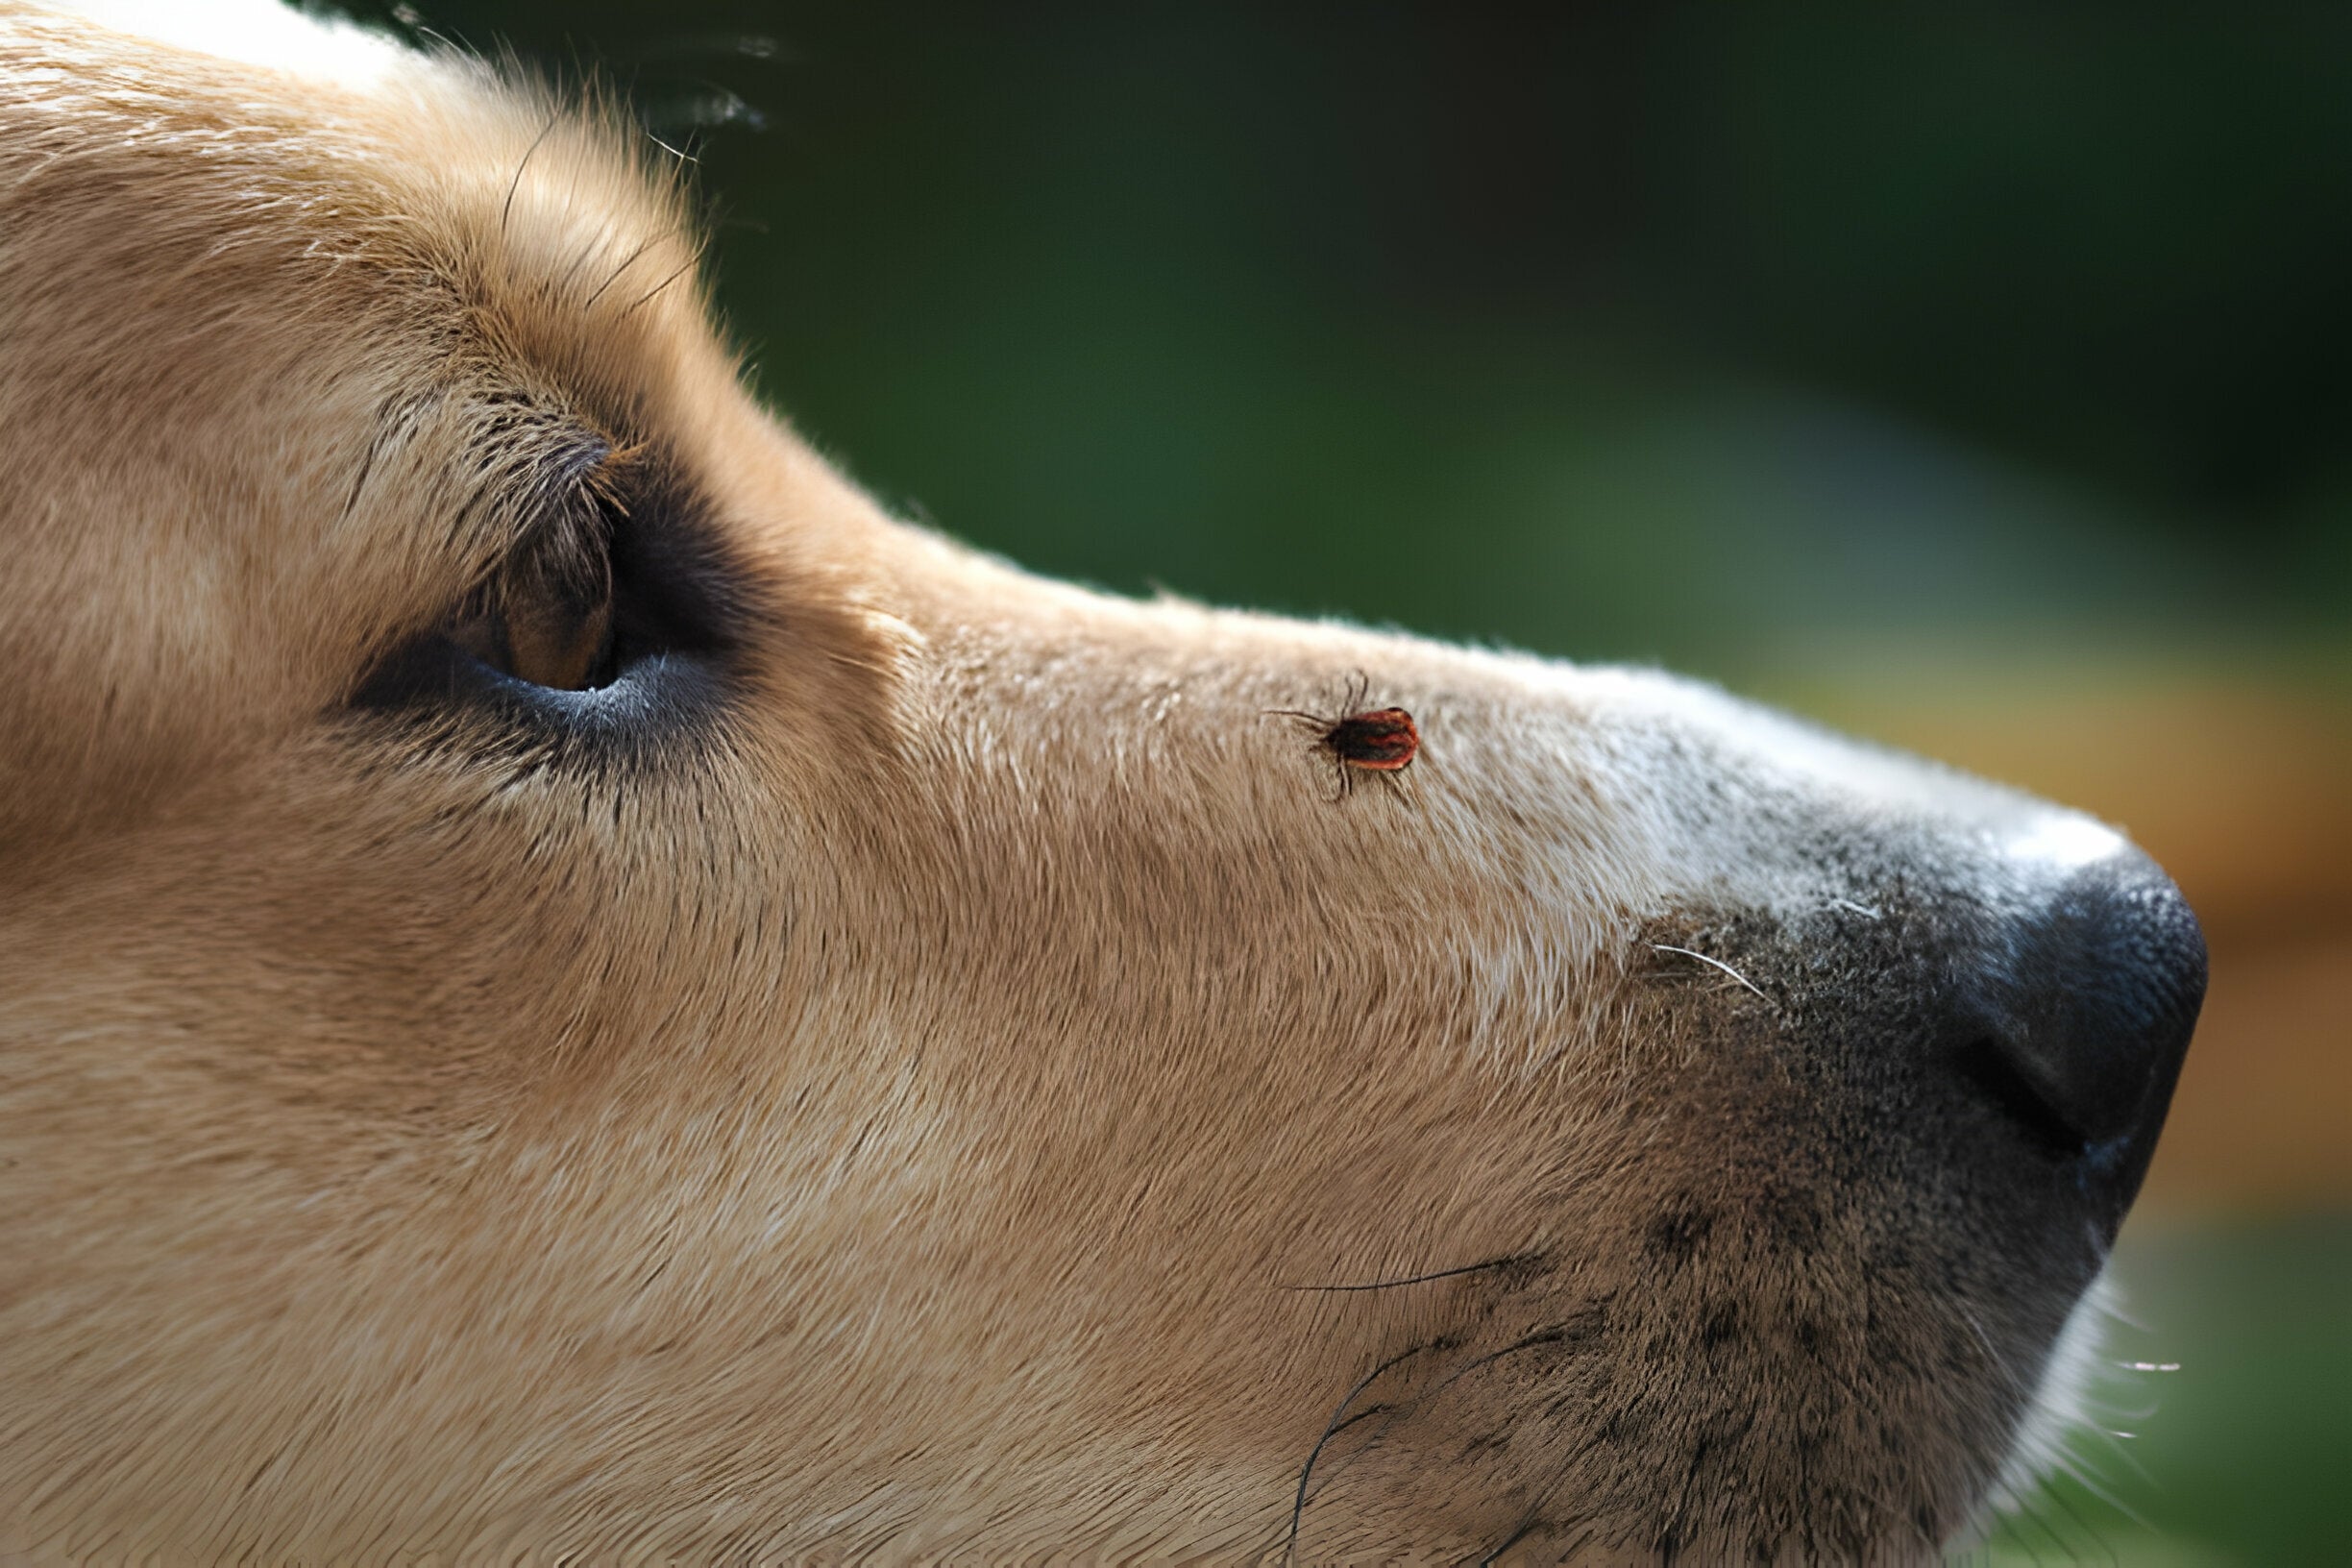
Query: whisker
x=1298, y=1506
x=1717, y=963
x=2079, y=1470
x=515, y=184
x=683, y=268
x=627, y=262
x=2017, y=1387
x=1413, y=1279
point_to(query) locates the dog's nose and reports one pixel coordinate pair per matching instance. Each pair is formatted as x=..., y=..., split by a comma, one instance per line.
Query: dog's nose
x=2075, y=1011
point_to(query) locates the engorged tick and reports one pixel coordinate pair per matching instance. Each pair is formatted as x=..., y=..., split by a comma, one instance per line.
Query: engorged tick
x=1379, y=742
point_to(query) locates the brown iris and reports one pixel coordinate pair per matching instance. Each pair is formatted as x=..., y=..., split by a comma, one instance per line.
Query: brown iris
x=547, y=615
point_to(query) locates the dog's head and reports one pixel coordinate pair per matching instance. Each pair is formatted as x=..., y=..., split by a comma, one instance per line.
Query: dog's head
x=572, y=986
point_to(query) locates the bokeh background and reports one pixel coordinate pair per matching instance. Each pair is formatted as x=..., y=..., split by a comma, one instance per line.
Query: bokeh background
x=1977, y=376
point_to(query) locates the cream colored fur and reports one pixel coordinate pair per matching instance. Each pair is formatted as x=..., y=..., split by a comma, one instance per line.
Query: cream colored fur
x=889, y=1111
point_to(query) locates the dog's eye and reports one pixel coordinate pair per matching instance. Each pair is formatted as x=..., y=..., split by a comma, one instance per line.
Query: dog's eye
x=546, y=615
x=611, y=606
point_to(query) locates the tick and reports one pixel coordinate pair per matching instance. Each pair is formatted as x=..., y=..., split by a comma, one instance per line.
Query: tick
x=1379, y=742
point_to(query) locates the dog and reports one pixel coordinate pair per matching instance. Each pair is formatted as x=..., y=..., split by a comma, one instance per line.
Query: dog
x=571, y=990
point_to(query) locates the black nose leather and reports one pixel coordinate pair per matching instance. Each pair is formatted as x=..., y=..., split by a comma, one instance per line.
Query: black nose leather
x=2076, y=1012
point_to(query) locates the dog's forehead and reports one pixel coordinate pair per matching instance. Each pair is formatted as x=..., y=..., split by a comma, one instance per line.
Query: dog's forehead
x=554, y=232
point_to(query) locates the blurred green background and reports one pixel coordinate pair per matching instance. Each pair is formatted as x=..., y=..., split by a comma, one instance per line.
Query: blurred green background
x=1977, y=376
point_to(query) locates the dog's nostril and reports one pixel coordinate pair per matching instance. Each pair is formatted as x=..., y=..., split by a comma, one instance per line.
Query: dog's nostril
x=2086, y=1003
x=1991, y=1067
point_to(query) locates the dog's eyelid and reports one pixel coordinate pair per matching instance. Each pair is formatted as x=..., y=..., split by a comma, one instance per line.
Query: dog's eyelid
x=614, y=472
x=573, y=491
x=551, y=464
x=571, y=462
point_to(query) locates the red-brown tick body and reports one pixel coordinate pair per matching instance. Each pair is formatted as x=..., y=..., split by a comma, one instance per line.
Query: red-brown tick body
x=1382, y=742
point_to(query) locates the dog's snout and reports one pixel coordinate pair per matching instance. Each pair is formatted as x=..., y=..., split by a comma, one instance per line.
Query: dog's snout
x=2075, y=1014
